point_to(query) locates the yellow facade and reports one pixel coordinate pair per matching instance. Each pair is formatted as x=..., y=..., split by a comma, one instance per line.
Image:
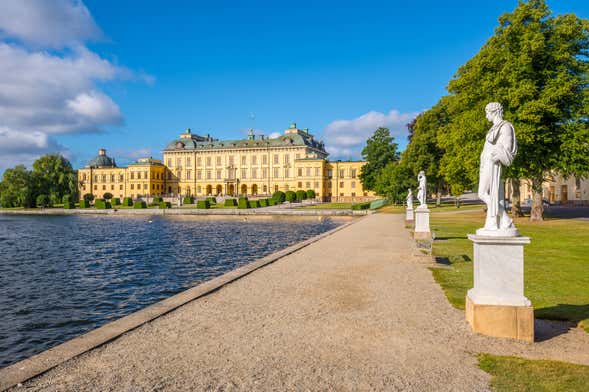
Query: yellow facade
x=201, y=166
x=559, y=190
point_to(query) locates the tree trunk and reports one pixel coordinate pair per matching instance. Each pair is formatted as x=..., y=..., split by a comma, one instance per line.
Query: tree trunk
x=439, y=199
x=537, y=211
x=516, y=210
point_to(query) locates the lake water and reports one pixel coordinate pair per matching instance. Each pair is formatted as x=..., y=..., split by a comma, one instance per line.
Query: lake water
x=61, y=276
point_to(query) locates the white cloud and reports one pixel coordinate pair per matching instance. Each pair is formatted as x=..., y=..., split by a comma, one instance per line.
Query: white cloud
x=274, y=135
x=55, y=23
x=346, y=138
x=45, y=93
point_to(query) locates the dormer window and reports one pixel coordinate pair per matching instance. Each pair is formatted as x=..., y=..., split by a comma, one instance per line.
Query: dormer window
x=179, y=145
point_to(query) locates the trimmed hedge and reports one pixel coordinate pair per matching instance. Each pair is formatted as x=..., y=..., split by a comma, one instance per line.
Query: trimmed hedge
x=101, y=204
x=301, y=195
x=115, y=201
x=139, y=204
x=311, y=194
x=243, y=203
x=127, y=202
x=212, y=200
x=290, y=196
x=203, y=204
x=230, y=203
x=84, y=204
x=157, y=200
x=272, y=202
x=188, y=200
x=67, y=199
x=165, y=204
x=361, y=206
x=263, y=202
x=254, y=204
x=69, y=205
x=279, y=196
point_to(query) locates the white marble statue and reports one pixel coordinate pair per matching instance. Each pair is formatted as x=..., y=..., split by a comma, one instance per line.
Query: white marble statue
x=410, y=199
x=499, y=150
x=422, y=189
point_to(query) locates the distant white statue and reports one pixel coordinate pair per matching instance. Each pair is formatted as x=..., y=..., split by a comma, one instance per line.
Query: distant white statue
x=500, y=149
x=422, y=189
x=410, y=199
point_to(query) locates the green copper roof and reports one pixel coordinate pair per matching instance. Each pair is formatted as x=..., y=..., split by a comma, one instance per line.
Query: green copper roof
x=293, y=139
x=101, y=161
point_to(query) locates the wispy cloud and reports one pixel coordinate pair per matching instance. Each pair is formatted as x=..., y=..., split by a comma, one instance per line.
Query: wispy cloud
x=49, y=78
x=345, y=138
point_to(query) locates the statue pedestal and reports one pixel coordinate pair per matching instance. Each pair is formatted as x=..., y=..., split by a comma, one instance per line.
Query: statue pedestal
x=496, y=305
x=409, y=216
x=422, y=231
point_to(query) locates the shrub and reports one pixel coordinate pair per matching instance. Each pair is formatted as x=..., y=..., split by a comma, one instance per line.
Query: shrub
x=88, y=197
x=165, y=204
x=272, y=202
x=301, y=195
x=107, y=195
x=101, y=204
x=188, y=200
x=84, y=204
x=263, y=202
x=67, y=199
x=157, y=200
x=115, y=201
x=139, y=204
x=230, y=203
x=279, y=196
x=243, y=203
x=69, y=205
x=42, y=201
x=127, y=202
x=290, y=196
x=212, y=200
x=361, y=206
x=203, y=204
x=311, y=194
x=253, y=204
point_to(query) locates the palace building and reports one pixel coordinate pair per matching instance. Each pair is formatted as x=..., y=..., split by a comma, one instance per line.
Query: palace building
x=195, y=165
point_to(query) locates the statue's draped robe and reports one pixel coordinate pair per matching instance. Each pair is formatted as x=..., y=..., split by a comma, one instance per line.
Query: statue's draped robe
x=501, y=141
x=422, y=192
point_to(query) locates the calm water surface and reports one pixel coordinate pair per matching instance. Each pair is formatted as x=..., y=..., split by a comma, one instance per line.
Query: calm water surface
x=61, y=276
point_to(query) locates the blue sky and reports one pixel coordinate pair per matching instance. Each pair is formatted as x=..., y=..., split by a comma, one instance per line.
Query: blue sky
x=129, y=76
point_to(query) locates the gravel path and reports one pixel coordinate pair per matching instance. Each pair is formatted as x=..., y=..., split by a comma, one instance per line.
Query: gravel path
x=353, y=311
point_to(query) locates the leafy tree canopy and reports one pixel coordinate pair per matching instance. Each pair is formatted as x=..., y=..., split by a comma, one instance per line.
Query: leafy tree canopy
x=379, y=151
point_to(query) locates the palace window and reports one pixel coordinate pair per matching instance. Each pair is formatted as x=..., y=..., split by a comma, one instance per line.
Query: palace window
x=144, y=186
x=188, y=162
x=199, y=174
x=316, y=184
x=188, y=174
x=244, y=173
x=169, y=175
x=104, y=187
x=218, y=161
x=353, y=173
x=342, y=173
x=308, y=185
x=209, y=174
x=95, y=187
x=264, y=160
x=103, y=178
x=254, y=160
x=84, y=176
x=219, y=174
x=300, y=172
x=112, y=187
x=298, y=156
x=208, y=161
x=276, y=172
x=244, y=160
x=275, y=188
x=254, y=173
x=198, y=189
x=145, y=175
x=120, y=187
x=353, y=184
x=286, y=172
x=230, y=160
x=341, y=184
x=265, y=189
x=199, y=161
x=353, y=194
x=300, y=185
x=95, y=178
x=264, y=172
x=169, y=162
x=276, y=159
x=316, y=172
x=286, y=158
x=308, y=172
x=138, y=175
x=132, y=186
x=179, y=162
x=121, y=178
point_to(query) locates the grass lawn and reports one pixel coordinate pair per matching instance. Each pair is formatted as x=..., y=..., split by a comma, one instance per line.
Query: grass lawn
x=329, y=206
x=556, y=264
x=526, y=375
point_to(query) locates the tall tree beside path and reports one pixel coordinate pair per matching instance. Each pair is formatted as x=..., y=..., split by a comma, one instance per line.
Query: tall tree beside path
x=379, y=151
x=536, y=65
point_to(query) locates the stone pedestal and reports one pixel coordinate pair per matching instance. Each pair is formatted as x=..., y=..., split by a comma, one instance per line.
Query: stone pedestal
x=496, y=305
x=422, y=224
x=409, y=216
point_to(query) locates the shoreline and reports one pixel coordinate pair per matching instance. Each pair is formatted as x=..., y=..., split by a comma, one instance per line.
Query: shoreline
x=186, y=211
x=27, y=369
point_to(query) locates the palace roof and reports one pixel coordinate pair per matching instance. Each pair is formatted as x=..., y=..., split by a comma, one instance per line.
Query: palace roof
x=101, y=160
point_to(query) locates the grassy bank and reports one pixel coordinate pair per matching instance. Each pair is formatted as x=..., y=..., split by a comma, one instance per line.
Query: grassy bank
x=556, y=263
x=525, y=375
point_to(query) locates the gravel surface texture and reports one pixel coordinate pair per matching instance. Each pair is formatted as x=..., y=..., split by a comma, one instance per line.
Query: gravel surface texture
x=354, y=311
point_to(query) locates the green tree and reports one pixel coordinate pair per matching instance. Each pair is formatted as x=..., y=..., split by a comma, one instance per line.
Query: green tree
x=16, y=188
x=394, y=181
x=379, y=151
x=536, y=66
x=55, y=177
x=423, y=151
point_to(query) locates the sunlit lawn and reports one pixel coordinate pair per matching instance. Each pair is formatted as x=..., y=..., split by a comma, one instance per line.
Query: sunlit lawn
x=329, y=206
x=556, y=263
x=528, y=375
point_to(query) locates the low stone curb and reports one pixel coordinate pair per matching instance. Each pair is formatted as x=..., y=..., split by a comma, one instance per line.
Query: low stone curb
x=36, y=365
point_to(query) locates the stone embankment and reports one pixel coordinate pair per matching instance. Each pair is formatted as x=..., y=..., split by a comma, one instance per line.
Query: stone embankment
x=352, y=311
